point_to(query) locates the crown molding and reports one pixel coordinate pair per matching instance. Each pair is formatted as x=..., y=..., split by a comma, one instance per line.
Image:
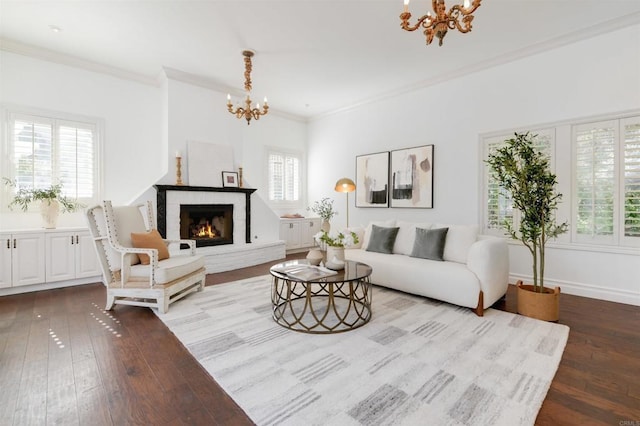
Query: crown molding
x=73, y=61
x=534, y=49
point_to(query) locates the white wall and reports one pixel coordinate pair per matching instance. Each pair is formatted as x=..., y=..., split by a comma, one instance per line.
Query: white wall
x=131, y=115
x=144, y=125
x=596, y=76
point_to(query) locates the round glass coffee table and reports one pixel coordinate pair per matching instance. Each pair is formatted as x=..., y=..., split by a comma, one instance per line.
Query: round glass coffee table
x=322, y=305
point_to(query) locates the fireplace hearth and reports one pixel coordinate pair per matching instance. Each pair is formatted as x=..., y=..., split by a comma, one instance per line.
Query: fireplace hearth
x=207, y=224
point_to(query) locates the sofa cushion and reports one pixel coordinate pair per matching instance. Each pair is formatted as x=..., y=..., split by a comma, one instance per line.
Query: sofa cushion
x=406, y=236
x=367, y=231
x=459, y=240
x=382, y=239
x=429, y=243
x=153, y=240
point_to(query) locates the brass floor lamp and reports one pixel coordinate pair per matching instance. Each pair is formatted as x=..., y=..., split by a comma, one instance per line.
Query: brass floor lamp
x=346, y=185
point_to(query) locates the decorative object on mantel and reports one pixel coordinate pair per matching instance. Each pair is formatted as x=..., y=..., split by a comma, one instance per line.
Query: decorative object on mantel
x=178, y=168
x=459, y=17
x=230, y=180
x=346, y=185
x=324, y=209
x=207, y=161
x=240, y=178
x=248, y=112
x=524, y=172
x=50, y=199
x=334, y=244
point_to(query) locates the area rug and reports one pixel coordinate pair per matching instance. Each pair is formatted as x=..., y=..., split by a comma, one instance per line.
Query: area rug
x=417, y=362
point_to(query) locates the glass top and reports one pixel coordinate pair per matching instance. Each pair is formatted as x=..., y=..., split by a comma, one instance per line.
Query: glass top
x=352, y=271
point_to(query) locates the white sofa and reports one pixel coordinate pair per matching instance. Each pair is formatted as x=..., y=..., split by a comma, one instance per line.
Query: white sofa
x=474, y=272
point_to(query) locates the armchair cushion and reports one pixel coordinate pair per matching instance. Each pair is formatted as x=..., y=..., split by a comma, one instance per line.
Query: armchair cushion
x=153, y=240
x=169, y=269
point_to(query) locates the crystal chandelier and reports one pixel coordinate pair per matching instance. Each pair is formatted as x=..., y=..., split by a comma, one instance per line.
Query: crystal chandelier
x=247, y=112
x=459, y=16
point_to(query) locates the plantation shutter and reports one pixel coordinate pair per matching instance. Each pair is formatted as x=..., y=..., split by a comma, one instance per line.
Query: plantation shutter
x=76, y=160
x=630, y=130
x=595, y=181
x=32, y=151
x=276, y=177
x=499, y=206
x=45, y=151
x=284, y=177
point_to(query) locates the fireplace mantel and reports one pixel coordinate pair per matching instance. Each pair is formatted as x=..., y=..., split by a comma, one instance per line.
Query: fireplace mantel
x=161, y=203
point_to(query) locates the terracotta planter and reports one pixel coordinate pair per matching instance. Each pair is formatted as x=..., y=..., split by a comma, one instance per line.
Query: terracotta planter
x=543, y=306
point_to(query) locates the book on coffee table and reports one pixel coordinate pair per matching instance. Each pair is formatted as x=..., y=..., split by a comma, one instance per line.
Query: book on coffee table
x=307, y=272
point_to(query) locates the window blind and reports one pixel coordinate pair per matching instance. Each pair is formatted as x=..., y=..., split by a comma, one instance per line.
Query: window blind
x=46, y=151
x=631, y=179
x=499, y=206
x=594, y=196
x=284, y=177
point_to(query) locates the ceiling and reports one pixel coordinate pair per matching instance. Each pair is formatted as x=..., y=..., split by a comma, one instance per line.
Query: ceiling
x=313, y=57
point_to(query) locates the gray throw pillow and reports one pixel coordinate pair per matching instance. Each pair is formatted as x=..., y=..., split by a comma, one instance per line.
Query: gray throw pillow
x=382, y=239
x=429, y=243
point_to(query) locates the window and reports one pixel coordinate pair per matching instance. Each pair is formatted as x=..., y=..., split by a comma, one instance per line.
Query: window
x=498, y=207
x=598, y=176
x=606, y=198
x=47, y=149
x=285, y=177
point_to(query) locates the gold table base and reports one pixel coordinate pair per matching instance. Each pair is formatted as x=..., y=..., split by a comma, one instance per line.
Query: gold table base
x=321, y=307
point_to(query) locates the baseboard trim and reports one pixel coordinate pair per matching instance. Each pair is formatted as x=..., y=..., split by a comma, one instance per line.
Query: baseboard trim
x=586, y=290
x=49, y=286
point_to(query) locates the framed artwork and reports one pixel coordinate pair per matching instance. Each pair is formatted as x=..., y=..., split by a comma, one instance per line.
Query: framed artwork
x=229, y=179
x=372, y=180
x=412, y=177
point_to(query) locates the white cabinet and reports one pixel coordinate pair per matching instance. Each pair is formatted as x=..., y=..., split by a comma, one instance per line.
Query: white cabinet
x=22, y=259
x=70, y=255
x=298, y=233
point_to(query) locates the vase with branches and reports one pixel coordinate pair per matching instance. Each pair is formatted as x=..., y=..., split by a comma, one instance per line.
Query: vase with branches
x=51, y=200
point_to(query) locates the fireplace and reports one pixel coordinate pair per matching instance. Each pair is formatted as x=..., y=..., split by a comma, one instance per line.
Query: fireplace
x=170, y=199
x=207, y=224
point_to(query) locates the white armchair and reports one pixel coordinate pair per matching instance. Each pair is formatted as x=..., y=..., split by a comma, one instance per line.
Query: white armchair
x=128, y=282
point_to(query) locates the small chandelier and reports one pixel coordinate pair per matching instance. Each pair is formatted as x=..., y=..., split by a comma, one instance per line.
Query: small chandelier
x=247, y=112
x=459, y=16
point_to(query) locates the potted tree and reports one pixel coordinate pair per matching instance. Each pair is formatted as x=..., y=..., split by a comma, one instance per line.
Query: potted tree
x=51, y=201
x=524, y=172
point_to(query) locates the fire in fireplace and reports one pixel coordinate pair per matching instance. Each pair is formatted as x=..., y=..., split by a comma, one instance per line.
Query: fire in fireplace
x=208, y=224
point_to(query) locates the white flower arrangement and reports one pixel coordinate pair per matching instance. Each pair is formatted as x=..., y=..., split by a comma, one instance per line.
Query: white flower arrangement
x=336, y=239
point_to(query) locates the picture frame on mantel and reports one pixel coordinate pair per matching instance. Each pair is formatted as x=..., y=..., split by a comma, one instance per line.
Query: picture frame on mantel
x=230, y=180
x=372, y=180
x=411, y=171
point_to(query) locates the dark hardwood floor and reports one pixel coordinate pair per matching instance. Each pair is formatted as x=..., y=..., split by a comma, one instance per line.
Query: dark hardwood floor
x=63, y=360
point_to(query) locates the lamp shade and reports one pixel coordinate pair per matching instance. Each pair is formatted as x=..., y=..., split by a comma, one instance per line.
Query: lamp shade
x=345, y=185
